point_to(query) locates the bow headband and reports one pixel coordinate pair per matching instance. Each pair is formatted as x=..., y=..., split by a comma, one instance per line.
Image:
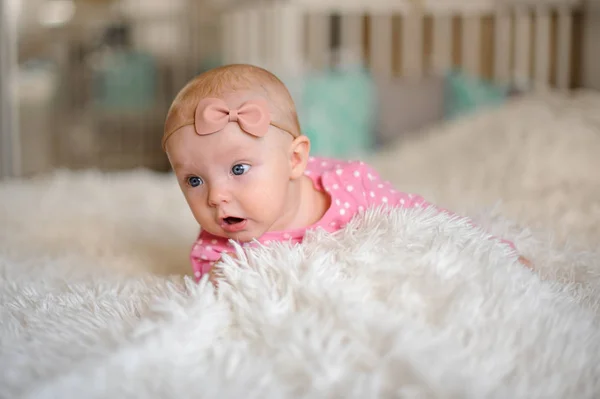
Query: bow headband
x=213, y=114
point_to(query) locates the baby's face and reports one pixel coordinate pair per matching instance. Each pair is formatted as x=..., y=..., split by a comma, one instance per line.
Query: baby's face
x=235, y=184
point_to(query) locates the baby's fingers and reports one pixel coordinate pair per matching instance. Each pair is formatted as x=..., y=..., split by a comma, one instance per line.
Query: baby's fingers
x=215, y=274
x=526, y=262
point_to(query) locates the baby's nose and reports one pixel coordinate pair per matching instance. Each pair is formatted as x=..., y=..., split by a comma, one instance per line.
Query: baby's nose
x=218, y=195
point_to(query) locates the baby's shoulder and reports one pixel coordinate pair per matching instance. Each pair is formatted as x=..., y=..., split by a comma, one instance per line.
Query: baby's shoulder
x=322, y=165
x=362, y=183
x=347, y=179
x=340, y=167
x=347, y=171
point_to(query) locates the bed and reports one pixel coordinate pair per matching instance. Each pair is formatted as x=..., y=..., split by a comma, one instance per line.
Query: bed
x=97, y=298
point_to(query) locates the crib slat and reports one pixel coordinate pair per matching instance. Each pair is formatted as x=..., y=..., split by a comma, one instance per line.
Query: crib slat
x=542, y=48
x=240, y=42
x=502, y=34
x=471, y=44
x=228, y=38
x=522, y=47
x=442, y=43
x=267, y=41
x=253, y=36
x=351, y=38
x=276, y=33
x=290, y=24
x=318, y=40
x=565, y=22
x=412, y=45
x=381, y=45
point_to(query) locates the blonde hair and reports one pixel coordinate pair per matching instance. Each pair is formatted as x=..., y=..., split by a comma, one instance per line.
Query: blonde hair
x=225, y=79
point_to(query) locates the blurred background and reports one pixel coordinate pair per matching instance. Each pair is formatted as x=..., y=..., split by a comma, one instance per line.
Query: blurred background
x=87, y=83
x=92, y=79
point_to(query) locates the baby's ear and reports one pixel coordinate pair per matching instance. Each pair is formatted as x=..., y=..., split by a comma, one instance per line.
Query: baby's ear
x=299, y=153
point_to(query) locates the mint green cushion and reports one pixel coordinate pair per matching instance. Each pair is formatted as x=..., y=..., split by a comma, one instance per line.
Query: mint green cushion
x=336, y=111
x=465, y=94
x=127, y=83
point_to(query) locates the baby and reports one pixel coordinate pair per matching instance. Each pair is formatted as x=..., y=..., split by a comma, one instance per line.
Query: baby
x=234, y=141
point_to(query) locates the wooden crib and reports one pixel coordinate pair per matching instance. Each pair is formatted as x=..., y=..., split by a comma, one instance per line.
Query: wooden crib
x=526, y=44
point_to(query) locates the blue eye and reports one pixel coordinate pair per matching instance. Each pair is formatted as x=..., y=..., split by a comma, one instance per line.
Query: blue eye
x=194, y=181
x=240, y=169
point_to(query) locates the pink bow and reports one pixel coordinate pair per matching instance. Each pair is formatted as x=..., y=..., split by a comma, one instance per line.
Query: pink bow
x=213, y=114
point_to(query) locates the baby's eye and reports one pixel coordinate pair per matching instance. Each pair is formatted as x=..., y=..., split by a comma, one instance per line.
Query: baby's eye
x=194, y=181
x=240, y=169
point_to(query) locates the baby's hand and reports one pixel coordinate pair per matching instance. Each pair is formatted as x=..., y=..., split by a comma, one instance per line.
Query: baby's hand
x=216, y=272
x=526, y=262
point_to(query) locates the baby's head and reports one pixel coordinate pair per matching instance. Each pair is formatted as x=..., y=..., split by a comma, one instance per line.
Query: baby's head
x=233, y=139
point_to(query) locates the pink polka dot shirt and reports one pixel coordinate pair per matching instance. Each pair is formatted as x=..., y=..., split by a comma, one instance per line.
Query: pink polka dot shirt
x=353, y=187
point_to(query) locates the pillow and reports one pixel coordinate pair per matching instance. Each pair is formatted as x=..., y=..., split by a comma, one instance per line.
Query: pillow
x=465, y=94
x=406, y=106
x=126, y=82
x=336, y=110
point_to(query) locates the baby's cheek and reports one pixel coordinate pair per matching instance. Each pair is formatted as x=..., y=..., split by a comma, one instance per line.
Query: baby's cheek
x=194, y=200
x=264, y=195
x=200, y=210
x=202, y=219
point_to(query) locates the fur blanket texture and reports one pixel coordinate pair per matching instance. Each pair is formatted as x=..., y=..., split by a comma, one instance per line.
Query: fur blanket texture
x=96, y=299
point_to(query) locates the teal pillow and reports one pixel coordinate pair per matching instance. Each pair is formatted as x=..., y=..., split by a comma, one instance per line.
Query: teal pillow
x=336, y=111
x=127, y=82
x=465, y=94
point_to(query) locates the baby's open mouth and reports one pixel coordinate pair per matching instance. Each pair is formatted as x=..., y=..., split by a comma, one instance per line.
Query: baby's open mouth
x=233, y=220
x=232, y=224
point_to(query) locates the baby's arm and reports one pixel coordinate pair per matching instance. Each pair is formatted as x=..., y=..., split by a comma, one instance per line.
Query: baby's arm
x=380, y=192
x=206, y=257
x=215, y=275
x=201, y=266
x=417, y=200
x=206, y=252
x=211, y=268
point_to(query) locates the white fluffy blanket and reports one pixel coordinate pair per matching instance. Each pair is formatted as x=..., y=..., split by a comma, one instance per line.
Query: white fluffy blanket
x=94, y=304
